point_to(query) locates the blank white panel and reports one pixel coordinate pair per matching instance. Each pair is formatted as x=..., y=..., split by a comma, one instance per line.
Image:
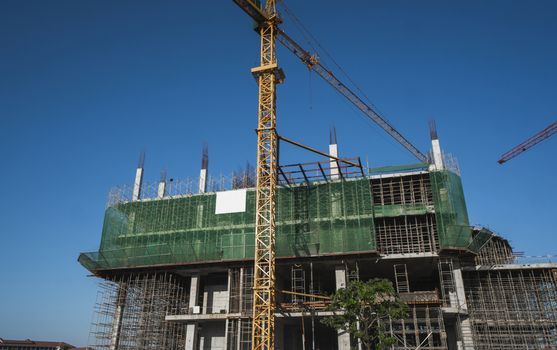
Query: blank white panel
x=231, y=202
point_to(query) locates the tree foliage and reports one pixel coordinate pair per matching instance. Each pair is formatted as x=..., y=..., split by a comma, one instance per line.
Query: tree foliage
x=363, y=309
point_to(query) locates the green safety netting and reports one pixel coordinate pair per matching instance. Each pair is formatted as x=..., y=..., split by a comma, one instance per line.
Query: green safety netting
x=479, y=239
x=322, y=218
x=317, y=219
x=450, y=210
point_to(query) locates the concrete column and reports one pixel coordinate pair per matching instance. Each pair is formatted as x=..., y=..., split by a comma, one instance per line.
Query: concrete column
x=203, y=172
x=136, y=194
x=191, y=328
x=203, y=181
x=161, y=192
x=435, y=148
x=117, y=321
x=333, y=151
x=459, y=288
x=467, y=341
x=437, y=154
x=340, y=279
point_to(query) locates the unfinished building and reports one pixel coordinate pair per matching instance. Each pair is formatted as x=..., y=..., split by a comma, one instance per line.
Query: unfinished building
x=176, y=262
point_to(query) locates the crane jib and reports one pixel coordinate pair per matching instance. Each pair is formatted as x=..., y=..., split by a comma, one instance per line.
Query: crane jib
x=330, y=78
x=253, y=10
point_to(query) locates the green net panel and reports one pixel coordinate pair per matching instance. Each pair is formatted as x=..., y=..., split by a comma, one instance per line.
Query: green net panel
x=319, y=219
x=450, y=210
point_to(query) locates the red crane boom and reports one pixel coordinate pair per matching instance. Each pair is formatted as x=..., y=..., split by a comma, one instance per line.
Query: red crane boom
x=529, y=143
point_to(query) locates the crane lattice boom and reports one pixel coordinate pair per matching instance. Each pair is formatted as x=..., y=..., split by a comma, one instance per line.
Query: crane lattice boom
x=313, y=63
x=529, y=143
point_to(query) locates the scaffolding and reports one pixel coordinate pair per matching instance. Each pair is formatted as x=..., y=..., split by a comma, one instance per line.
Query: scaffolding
x=130, y=313
x=446, y=281
x=496, y=251
x=402, y=189
x=238, y=324
x=423, y=329
x=407, y=234
x=513, y=308
x=298, y=283
x=401, y=278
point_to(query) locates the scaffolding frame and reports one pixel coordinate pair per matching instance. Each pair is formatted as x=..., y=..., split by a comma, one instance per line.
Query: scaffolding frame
x=407, y=234
x=496, y=251
x=402, y=189
x=423, y=329
x=513, y=308
x=130, y=313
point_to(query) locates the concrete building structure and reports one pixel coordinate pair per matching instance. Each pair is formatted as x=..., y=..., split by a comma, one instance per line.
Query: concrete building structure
x=176, y=266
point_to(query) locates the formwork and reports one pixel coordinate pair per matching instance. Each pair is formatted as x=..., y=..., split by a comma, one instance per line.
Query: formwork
x=513, y=308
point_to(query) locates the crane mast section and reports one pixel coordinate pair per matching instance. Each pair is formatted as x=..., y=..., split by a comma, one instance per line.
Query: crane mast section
x=313, y=63
x=268, y=75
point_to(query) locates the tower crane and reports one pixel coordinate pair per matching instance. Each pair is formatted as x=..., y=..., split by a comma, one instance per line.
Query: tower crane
x=529, y=143
x=268, y=75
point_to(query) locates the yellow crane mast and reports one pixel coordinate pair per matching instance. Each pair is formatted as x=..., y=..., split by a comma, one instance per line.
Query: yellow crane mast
x=268, y=75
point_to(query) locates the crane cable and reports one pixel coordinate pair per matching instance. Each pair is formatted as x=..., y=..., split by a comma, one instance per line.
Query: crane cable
x=310, y=39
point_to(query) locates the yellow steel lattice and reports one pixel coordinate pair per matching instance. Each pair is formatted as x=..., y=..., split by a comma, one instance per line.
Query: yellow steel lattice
x=264, y=272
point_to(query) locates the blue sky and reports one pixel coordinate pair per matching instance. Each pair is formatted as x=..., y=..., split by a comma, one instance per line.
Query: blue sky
x=86, y=85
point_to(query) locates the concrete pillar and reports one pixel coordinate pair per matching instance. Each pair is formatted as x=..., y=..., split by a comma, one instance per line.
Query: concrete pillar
x=459, y=288
x=437, y=155
x=435, y=148
x=136, y=195
x=467, y=341
x=117, y=321
x=191, y=328
x=203, y=172
x=333, y=151
x=340, y=279
x=161, y=192
x=202, y=184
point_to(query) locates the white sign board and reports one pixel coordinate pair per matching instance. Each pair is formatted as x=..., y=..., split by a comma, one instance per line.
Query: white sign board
x=231, y=202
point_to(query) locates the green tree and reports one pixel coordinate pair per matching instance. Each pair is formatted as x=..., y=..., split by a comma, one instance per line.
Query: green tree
x=363, y=310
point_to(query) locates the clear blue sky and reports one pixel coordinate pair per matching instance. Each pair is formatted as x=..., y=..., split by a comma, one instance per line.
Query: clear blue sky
x=86, y=85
